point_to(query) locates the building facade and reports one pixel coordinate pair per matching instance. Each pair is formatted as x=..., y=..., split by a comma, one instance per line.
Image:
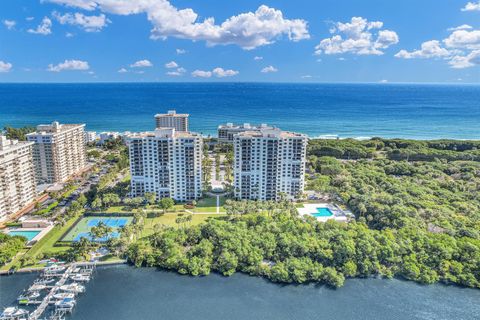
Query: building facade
x=59, y=151
x=227, y=131
x=90, y=136
x=269, y=162
x=17, y=176
x=172, y=119
x=166, y=162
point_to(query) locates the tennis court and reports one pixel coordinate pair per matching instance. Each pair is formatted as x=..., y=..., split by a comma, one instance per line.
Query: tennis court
x=82, y=228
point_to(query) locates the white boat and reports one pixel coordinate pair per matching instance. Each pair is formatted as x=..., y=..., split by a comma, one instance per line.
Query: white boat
x=74, y=287
x=64, y=295
x=37, y=287
x=54, y=269
x=67, y=303
x=80, y=277
x=44, y=281
x=14, y=313
x=33, y=295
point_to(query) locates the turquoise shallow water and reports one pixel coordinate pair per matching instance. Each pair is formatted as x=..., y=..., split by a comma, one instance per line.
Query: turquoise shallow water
x=27, y=234
x=346, y=110
x=123, y=292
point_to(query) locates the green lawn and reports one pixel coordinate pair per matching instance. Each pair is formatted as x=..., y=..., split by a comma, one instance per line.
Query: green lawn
x=46, y=244
x=169, y=220
x=209, y=205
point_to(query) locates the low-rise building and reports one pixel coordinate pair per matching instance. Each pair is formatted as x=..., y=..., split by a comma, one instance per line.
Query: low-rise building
x=269, y=162
x=166, y=162
x=17, y=176
x=226, y=132
x=106, y=136
x=90, y=136
x=58, y=151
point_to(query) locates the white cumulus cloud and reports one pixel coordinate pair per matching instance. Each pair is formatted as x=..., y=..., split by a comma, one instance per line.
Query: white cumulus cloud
x=181, y=51
x=269, y=69
x=176, y=73
x=472, y=6
x=44, y=28
x=5, y=66
x=359, y=36
x=462, y=27
x=217, y=72
x=171, y=65
x=429, y=49
x=10, y=24
x=461, y=48
x=464, y=39
x=87, y=23
x=221, y=73
x=257, y=58
x=141, y=64
x=122, y=70
x=247, y=30
x=201, y=74
x=470, y=60
x=69, y=65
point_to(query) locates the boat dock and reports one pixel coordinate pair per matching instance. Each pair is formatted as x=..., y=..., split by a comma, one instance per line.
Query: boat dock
x=54, y=292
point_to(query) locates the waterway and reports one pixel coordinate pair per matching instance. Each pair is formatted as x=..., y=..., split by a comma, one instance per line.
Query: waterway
x=123, y=292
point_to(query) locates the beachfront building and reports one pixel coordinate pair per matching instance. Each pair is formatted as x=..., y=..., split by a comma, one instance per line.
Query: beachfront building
x=172, y=119
x=167, y=162
x=269, y=162
x=227, y=131
x=90, y=136
x=58, y=152
x=17, y=176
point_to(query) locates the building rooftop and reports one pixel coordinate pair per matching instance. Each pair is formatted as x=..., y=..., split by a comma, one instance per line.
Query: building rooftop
x=172, y=113
x=54, y=127
x=230, y=125
x=271, y=133
x=163, y=133
x=7, y=145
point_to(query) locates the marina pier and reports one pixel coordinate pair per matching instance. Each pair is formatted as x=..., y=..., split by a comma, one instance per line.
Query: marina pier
x=53, y=293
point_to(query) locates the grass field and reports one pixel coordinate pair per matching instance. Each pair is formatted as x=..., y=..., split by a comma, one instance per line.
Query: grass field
x=169, y=220
x=82, y=228
x=209, y=205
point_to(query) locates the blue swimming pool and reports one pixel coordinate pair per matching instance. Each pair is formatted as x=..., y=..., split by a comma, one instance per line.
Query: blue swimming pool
x=27, y=234
x=322, y=212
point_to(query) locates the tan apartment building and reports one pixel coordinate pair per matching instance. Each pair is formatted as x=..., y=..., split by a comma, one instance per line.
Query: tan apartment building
x=269, y=162
x=17, y=176
x=59, y=151
x=172, y=119
x=167, y=162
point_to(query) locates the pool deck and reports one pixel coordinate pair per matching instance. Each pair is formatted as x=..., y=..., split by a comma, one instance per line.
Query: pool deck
x=43, y=232
x=338, y=214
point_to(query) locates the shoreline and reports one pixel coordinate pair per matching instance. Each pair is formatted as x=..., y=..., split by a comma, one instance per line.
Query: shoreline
x=38, y=269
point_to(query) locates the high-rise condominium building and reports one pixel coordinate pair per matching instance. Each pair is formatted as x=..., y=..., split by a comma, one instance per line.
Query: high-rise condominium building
x=172, y=119
x=17, y=176
x=58, y=152
x=167, y=162
x=269, y=162
x=227, y=131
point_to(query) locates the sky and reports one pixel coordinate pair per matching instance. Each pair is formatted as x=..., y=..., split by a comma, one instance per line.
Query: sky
x=413, y=41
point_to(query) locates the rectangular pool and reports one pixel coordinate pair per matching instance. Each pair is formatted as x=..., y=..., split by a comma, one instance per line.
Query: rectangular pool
x=322, y=212
x=27, y=234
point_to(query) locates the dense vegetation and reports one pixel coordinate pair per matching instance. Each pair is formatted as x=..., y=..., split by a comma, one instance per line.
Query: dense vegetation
x=18, y=133
x=417, y=206
x=9, y=247
x=397, y=149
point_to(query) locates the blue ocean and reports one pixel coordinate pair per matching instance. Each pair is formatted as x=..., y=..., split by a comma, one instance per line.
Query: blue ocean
x=343, y=110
